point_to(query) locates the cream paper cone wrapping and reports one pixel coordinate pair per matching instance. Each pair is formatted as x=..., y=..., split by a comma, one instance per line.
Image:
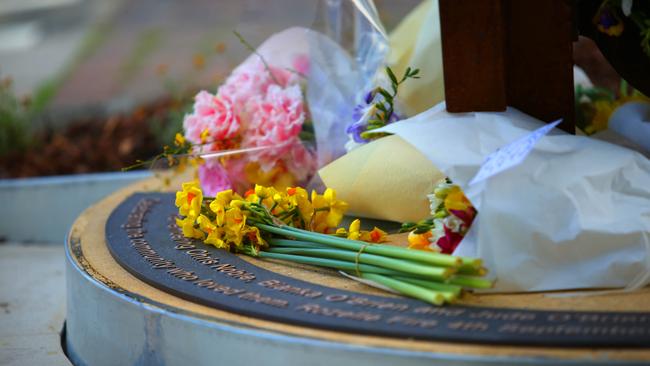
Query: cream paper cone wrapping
x=416, y=43
x=387, y=179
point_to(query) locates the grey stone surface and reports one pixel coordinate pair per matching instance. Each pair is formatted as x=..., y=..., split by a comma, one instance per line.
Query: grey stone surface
x=32, y=304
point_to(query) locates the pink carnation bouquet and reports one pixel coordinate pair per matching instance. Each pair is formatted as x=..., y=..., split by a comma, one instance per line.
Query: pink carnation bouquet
x=249, y=131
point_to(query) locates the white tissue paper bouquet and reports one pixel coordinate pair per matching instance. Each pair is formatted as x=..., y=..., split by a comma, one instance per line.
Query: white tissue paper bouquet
x=573, y=214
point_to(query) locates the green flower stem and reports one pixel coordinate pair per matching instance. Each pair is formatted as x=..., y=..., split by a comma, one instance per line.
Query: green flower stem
x=435, y=259
x=469, y=281
x=455, y=290
x=437, y=273
x=469, y=271
x=277, y=242
x=470, y=265
x=330, y=263
x=430, y=296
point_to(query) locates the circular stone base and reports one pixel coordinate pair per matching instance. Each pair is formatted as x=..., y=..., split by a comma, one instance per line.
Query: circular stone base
x=114, y=318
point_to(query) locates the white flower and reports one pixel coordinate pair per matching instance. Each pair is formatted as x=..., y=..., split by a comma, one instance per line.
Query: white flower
x=626, y=6
x=453, y=223
x=434, y=203
x=438, y=231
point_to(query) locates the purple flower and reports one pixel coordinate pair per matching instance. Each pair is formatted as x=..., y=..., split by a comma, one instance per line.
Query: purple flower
x=362, y=113
x=356, y=129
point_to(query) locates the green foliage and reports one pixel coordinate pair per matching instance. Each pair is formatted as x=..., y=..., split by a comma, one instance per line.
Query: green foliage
x=386, y=105
x=15, y=117
x=164, y=128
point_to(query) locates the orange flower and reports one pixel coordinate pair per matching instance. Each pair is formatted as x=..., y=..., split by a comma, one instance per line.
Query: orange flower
x=420, y=241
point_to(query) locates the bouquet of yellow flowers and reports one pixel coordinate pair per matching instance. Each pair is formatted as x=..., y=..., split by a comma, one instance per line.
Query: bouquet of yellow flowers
x=294, y=226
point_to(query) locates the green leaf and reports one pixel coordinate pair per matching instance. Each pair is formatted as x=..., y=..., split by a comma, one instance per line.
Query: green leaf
x=386, y=95
x=391, y=75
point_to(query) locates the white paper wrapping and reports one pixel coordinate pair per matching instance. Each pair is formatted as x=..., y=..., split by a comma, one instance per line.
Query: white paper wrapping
x=574, y=214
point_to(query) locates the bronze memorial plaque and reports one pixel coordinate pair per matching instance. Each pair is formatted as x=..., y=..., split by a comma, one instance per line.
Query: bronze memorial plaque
x=142, y=236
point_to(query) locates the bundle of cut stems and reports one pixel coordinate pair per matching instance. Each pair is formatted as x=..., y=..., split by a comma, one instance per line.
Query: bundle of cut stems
x=429, y=276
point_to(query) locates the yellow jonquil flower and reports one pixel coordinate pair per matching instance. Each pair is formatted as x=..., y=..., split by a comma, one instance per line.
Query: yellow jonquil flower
x=328, y=211
x=187, y=224
x=189, y=200
x=234, y=226
x=215, y=234
x=264, y=192
x=179, y=139
x=337, y=208
x=603, y=109
x=254, y=236
x=376, y=235
x=456, y=200
x=298, y=197
x=353, y=233
x=218, y=205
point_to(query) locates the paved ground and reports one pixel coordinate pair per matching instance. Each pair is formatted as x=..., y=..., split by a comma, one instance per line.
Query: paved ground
x=32, y=304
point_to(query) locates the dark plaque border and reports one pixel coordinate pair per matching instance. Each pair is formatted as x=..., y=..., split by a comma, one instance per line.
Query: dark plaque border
x=142, y=237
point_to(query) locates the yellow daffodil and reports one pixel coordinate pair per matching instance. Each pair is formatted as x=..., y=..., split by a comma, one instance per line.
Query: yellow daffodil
x=237, y=203
x=215, y=234
x=187, y=224
x=298, y=197
x=319, y=223
x=189, y=200
x=179, y=139
x=254, y=236
x=234, y=225
x=264, y=192
x=456, y=200
x=327, y=203
x=354, y=232
x=218, y=205
x=603, y=109
x=336, y=208
x=376, y=235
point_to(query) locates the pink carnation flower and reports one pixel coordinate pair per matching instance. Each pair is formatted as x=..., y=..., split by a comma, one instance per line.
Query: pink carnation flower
x=214, y=113
x=213, y=178
x=252, y=79
x=275, y=120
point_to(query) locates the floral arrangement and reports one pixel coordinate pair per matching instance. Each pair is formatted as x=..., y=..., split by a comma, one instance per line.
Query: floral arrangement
x=292, y=226
x=377, y=110
x=451, y=217
x=594, y=106
x=260, y=111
